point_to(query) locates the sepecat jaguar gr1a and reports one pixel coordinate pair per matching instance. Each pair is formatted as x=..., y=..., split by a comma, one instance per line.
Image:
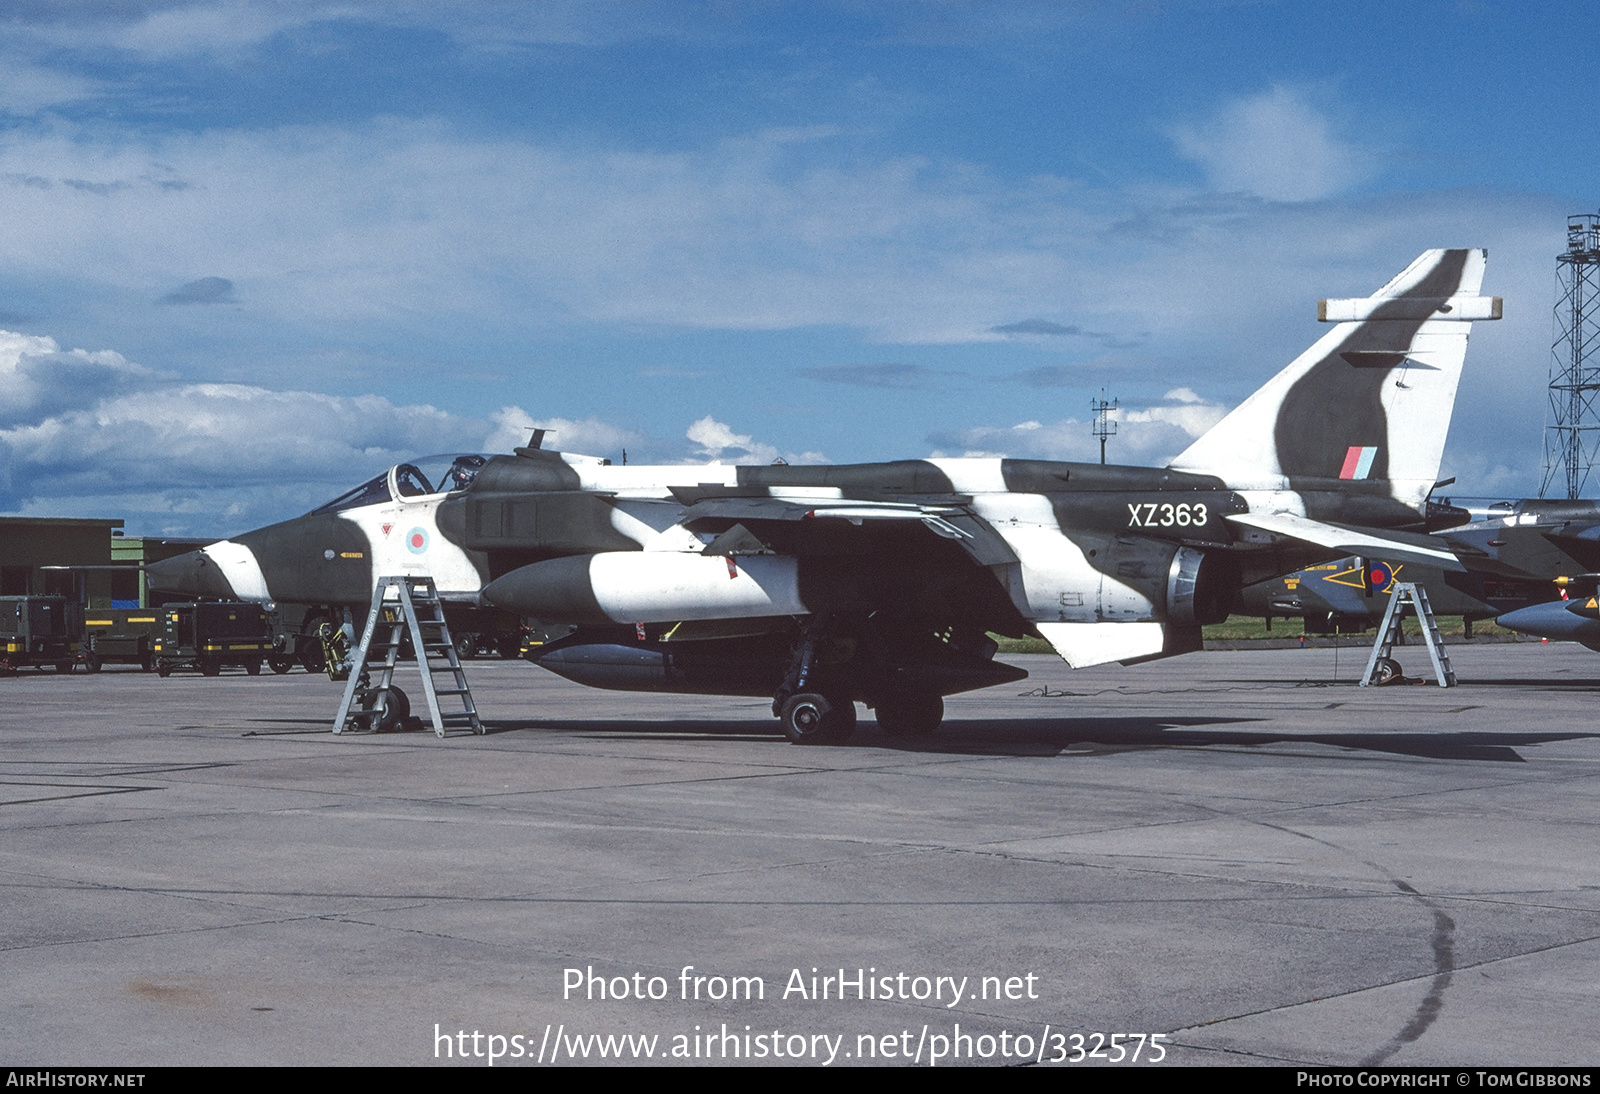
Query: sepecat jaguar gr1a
x=826, y=586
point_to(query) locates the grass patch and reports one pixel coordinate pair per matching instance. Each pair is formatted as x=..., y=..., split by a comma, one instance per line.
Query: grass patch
x=1246, y=627
x=1023, y=645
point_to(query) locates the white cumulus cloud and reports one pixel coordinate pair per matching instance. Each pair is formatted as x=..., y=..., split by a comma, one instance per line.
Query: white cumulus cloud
x=93, y=434
x=1275, y=144
x=715, y=438
x=1145, y=435
x=715, y=441
x=38, y=378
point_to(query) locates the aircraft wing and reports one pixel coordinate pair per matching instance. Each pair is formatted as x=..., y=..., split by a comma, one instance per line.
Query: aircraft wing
x=750, y=515
x=1389, y=546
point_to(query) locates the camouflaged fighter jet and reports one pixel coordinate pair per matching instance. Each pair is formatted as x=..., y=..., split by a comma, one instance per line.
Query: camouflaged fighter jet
x=880, y=583
x=1555, y=543
x=1353, y=593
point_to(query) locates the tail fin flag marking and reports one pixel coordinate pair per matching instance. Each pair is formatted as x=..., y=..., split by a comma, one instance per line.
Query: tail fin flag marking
x=1357, y=462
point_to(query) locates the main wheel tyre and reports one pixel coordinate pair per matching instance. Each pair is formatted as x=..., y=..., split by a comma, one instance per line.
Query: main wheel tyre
x=812, y=719
x=466, y=646
x=163, y=669
x=280, y=665
x=253, y=668
x=91, y=663
x=210, y=668
x=63, y=666
x=394, y=717
x=1387, y=671
x=910, y=715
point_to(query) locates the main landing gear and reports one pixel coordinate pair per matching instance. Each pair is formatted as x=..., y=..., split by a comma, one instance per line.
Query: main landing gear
x=815, y=703
x=811, y=715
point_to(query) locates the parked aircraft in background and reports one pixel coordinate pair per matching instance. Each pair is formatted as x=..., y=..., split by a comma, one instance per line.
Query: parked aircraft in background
x=1532, y=564
x=1554, y=541
x=880, y=583
x=1351, y=594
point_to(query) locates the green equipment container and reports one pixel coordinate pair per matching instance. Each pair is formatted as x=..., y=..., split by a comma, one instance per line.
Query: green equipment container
x=120, y=636
x=207, y=636
x=39, y=631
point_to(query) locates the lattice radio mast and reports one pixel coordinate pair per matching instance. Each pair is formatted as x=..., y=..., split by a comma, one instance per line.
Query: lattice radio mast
x=1571, y=436
x=1104, y=424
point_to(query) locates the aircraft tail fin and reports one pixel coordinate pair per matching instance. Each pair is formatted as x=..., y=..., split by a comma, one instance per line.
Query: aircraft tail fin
x=1367, y=408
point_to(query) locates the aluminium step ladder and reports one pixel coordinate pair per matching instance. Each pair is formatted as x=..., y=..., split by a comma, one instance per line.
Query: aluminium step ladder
x=400, y=606
x=1401, y=595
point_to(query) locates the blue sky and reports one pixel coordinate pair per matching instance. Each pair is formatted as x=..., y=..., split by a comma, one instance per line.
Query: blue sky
x=257, y=250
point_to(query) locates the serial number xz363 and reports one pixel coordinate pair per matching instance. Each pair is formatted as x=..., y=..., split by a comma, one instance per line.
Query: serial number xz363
x=1153, y=515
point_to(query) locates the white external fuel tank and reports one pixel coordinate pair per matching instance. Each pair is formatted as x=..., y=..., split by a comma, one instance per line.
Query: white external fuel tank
x=650, y=587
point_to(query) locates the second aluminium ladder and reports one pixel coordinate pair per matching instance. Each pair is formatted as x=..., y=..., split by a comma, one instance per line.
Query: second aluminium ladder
x=1405, y=593
x=415, y=609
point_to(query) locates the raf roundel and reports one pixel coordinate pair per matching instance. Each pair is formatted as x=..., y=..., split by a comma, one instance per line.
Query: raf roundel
x=417, y=541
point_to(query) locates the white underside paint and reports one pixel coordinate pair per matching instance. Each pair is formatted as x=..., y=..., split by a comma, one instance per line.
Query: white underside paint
x=653, y=524
x=1054, y=580
x=238, y=564
x=650, y=480
x=663, y=587
x=389, y=528
x=1346, y=541
x=1083, y=644
x=973, y=476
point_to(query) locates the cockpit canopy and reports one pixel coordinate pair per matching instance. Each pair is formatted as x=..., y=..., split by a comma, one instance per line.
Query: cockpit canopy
x=423, y=477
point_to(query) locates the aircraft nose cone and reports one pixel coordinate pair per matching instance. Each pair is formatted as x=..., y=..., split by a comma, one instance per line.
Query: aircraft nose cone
x=1555, y=619
x=193, y=574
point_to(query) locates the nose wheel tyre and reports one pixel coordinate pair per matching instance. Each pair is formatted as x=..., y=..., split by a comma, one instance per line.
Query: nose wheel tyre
x=812, y=719
x=910, y=715
x=280, y=665
x=394, y=716
x=1387, y=671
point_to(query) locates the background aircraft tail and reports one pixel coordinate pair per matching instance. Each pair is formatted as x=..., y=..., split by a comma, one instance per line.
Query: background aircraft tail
x=1366, y=409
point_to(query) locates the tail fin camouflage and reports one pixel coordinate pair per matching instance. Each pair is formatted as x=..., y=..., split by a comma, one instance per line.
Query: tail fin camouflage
x=1357, y=423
